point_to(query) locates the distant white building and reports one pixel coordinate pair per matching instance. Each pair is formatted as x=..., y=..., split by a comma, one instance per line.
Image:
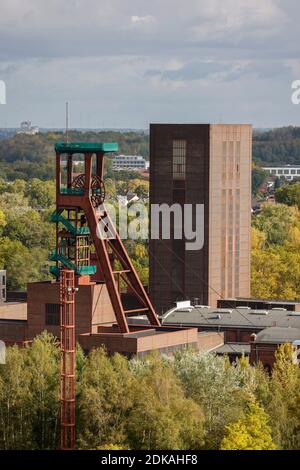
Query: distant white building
x=27, y=128
x=129, y=162
x=2, y=285
x=289, y=172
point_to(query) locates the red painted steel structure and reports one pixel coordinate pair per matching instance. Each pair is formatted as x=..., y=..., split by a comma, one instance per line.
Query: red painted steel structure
x=84, y=195
x=67, y=325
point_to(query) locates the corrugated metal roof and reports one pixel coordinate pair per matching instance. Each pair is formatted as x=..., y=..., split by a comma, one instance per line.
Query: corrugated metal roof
x=243, y=318
x=278, y=335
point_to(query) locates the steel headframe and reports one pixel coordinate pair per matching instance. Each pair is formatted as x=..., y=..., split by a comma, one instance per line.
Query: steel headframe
x=67, y=328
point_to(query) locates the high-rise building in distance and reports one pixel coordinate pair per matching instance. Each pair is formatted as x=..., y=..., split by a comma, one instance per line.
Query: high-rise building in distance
x=210, y=165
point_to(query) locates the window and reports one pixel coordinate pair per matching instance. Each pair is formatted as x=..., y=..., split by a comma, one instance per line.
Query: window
x=179, y=156
x=3, y=280
x=52, y=314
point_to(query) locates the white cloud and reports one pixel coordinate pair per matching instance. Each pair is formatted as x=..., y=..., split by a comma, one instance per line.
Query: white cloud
x=148, y=60
x=142, y=19
x=232, y=20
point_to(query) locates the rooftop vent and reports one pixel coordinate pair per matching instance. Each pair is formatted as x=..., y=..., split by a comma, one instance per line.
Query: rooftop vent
x=215, y=317
x=279, y=309
x=259, y=312
x=223, y=311
x=190, y=309
x=183, y=304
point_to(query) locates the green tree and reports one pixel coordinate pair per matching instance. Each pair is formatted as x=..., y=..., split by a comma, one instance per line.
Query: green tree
x=276, y=221
x=23, y=265
x=259, y=176
x=214, y=385
x=41, y=194
x=161, y=416
x=29, y=396
x=283, y=403
x=289, y=194
x=2, y=222
x=15, y=419
x=43, y=364
x=103, y=400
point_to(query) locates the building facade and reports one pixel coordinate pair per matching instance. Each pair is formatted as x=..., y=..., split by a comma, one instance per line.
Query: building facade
x=288, y=172
x=209, y=165
x=2, y=285
x=129, y=162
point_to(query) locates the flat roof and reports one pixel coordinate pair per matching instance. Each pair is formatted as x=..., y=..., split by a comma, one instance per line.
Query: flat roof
x=86, y=147
x=241, y=317
x=233, y=348
x=262, y=300
x=280, y=167
x=277, y=335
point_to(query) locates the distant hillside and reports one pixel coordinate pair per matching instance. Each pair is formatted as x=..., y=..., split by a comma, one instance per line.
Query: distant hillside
x=26, y=157
x=278, y=146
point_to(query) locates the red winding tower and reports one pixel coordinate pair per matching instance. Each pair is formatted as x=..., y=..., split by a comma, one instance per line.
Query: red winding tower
x=80, y=217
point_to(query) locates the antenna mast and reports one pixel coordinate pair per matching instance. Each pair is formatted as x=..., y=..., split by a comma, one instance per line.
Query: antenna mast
x=67, y=121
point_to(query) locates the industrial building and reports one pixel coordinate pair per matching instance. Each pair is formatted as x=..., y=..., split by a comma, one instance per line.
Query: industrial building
x=247, y=331
x=288, y=172
x=130, y=162
x=101, y=274
x=112, y=307
x=209, y=165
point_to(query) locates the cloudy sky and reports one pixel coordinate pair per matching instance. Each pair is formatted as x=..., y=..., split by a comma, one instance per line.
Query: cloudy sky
x=125, y=63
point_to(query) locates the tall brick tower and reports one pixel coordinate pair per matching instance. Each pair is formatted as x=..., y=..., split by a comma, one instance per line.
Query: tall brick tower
x=210, y=165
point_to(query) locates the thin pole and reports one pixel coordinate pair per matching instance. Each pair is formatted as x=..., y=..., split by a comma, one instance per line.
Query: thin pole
x=67, y=121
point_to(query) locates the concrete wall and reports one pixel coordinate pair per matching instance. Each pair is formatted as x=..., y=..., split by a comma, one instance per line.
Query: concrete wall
x=13, y=311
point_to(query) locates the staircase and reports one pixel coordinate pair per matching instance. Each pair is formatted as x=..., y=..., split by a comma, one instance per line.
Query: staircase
x=57, y=217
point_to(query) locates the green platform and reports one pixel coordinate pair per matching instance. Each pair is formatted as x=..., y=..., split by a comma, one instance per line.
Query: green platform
x=86, y=147
x=57, y=217
x=83, y=270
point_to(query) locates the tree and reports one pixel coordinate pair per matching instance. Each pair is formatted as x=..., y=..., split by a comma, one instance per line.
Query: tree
x=276, y=221
x=15, y=429
x=41, y=194
x=103, y=401
x=251, y=432
x=2, y=222
x=258, y=239
x=43, y=364
x=162, y=417
x=259, y=176
x=283, y=402
x=214, y=385
x=29, y=396
x=289, y=194
x=275, y=273
x=22, y=265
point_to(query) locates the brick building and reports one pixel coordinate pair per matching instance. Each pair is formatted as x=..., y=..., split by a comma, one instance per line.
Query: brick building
x=264, y=344
x=209, y=165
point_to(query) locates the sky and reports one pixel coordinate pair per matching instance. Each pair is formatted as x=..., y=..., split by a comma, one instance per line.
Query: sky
x=126, y=63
